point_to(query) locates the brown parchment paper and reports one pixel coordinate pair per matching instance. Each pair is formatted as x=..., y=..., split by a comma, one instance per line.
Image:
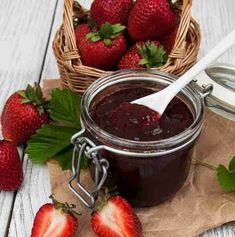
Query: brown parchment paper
x=200, y=204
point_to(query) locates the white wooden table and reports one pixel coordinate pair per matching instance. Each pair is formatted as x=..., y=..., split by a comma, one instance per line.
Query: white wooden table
x=27, y=28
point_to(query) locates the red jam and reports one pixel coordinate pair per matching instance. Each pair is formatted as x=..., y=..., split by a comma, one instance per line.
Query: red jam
x=146, y=180
x=116, y=115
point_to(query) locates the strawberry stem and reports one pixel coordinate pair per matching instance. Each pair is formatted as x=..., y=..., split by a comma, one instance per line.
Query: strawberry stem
x=34, y=95
x=106, y=33
x=65, y=207
x=152, y=55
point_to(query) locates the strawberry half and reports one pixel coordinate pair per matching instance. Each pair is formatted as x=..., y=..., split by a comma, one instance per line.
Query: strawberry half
x=55, y=220
x=23, y=113
x=116, y=219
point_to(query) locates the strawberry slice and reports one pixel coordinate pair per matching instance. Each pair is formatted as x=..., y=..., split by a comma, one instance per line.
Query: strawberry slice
x=116, y=219
x=55, y=220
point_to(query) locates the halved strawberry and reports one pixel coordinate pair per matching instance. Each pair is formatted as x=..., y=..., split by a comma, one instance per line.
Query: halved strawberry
x=116, y=219
x=55, y=220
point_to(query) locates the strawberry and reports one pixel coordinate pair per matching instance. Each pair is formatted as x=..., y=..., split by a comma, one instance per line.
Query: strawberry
x=55, y=220
x=11, y=173
x=151, y=20
x=169, y=41
x=23, y=113
x=144, y=54
x=112, y=11
x=116, y=219
x=102, y=49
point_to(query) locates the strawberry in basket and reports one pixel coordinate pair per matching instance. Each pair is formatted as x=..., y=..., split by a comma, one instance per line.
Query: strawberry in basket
x=112, y=11
x=151, y=20
x=144, y=54
x=101, y=49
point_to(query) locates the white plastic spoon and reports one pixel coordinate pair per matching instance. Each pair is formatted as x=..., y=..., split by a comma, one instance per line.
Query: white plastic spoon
x=159, y=100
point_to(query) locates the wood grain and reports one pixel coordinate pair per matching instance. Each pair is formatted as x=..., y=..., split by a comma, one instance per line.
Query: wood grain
x=216, y=19
x=25, y=28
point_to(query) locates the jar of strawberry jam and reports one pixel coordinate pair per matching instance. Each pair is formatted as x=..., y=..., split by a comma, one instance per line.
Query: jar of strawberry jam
x=147, y=164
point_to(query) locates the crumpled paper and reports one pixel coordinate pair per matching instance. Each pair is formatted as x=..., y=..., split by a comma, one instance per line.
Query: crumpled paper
x=198, y=206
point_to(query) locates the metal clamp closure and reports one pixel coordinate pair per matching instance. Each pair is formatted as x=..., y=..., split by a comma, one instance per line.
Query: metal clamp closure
x=207, y=90
x=82, y=146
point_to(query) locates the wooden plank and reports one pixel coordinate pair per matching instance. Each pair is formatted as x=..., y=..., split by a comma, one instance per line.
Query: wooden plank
x=37, y=188
x=216, y=19
x=36, y=175
x=25, y=26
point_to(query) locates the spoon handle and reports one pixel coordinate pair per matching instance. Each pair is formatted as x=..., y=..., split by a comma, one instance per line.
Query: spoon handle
x=218, y=50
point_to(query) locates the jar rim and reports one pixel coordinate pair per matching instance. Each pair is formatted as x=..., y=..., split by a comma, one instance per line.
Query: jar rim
x=168, y=143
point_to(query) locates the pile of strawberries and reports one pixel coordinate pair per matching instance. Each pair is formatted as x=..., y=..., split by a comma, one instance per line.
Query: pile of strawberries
x=24, y=112
x=124, y=34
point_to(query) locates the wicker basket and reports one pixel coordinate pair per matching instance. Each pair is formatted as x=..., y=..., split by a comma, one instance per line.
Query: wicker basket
x=77, y=77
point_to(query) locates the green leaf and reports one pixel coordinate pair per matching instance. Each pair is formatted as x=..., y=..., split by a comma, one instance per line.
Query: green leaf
x=30, y=92
x=25, y=101
x=226, y=178
x=152, y=55
x=64, y=158
x=93, y=36
x=65, y=107
x=22, y=94
x=52, y=141
x=48, y=142
x=118, y=28
x=143, y=61
x=232, y=164
x=106, y=31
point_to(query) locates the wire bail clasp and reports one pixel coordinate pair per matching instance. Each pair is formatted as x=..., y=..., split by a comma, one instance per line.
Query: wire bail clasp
x=82, y=146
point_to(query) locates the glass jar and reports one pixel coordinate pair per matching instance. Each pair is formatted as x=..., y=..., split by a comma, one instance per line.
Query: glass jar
x=145, y=173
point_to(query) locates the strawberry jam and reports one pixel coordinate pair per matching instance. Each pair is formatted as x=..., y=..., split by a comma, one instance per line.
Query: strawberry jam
x=116, y=115
x=149, y=158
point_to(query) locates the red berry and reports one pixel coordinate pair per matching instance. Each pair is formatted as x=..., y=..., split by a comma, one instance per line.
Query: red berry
x=115, y=219
x=23, y=114
x=143, y=54
x=151, y=20
x=112, y=11
x=98, y=50
x=169, y=41
x=52, y=221
x=11, y=173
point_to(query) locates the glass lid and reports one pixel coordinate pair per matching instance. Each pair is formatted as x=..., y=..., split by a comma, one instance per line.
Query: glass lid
x=222, y=98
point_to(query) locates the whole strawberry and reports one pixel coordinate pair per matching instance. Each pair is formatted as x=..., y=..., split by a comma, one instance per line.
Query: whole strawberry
x=11, y=173
x=23, y=113
x=112, y=11
x=116, y=218
x=151, y=20
x=144, y=54
x=169, y=40
x=55, y=220
x=101, y=49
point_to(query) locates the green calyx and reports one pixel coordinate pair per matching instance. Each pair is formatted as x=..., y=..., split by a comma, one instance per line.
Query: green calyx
x=106, y=33
x=65, y=207
x=152, y=55
x=34, y=95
